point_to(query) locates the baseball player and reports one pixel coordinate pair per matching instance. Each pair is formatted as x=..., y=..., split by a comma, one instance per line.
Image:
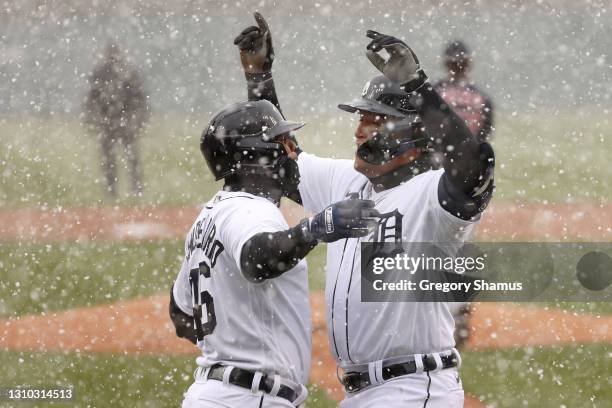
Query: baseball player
x=392, y=354
x=466, y=99
x=242, y=291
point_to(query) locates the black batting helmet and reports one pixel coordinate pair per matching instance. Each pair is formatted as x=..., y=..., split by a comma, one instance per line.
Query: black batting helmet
x=401, y=131
x=241, y=139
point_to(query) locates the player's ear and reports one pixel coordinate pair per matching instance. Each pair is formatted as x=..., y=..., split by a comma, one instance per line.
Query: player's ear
x=290, y=145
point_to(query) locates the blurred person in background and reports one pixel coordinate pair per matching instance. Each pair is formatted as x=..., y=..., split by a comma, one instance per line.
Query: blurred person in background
x=459, y=91
x=476, y=109
x=116, y=111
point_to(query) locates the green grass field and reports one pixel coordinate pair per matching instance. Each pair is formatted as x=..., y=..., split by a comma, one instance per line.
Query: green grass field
x=540, y=156
x=40, y=278
x=543, y=377
x=111, y=380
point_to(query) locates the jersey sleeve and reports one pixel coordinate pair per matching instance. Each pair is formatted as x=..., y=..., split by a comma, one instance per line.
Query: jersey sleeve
x=240, y=220
x=182, y=290
x=320, y=178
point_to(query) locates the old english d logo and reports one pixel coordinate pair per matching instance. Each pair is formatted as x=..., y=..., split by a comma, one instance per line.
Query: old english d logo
x=329, y=220
x=390, y=227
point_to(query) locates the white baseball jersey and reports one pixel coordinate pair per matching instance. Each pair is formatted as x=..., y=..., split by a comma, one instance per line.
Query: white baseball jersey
x=361, y=332
x=254, y=326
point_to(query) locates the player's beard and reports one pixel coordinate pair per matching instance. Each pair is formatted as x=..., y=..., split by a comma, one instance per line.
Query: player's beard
x=373, y=171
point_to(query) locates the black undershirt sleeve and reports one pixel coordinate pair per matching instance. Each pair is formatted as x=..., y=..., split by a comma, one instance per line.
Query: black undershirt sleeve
x=466, y=186
x=270, y=254
x=183, y=323
x=261, y=87
x=450, y=136
x=468, y=206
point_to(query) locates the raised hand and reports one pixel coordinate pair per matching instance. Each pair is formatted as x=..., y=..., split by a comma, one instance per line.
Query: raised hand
x=255, y=44
x=402, y=66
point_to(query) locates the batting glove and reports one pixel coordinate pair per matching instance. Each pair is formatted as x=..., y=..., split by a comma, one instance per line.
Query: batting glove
x=402, y=66
x=350, y=218
x=255, y=44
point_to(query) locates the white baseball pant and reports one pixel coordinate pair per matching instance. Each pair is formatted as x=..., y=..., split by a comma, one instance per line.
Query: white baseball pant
x=216, y=394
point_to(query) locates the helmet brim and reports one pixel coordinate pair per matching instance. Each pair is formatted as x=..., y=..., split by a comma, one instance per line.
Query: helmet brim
x=284, y=127
x=365, y=105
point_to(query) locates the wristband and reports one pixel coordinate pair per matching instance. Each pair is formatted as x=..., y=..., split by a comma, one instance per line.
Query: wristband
x=258, y=76
x=305, y=230
x=415, y=84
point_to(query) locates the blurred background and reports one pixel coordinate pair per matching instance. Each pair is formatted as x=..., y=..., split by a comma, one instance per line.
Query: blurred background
x=546, y=65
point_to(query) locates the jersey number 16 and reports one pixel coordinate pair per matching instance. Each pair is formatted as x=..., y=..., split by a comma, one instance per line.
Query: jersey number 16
x=202, y=298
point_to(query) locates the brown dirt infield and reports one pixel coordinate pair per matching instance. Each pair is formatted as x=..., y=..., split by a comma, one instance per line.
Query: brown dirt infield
x=583, y=221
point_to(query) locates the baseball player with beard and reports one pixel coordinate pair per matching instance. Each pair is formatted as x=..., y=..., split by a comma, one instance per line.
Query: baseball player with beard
x=241, y=294
x=390, y=354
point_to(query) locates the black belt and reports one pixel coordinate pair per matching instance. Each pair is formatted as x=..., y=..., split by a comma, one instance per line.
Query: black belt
x=355, y=381
x=244, y=379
